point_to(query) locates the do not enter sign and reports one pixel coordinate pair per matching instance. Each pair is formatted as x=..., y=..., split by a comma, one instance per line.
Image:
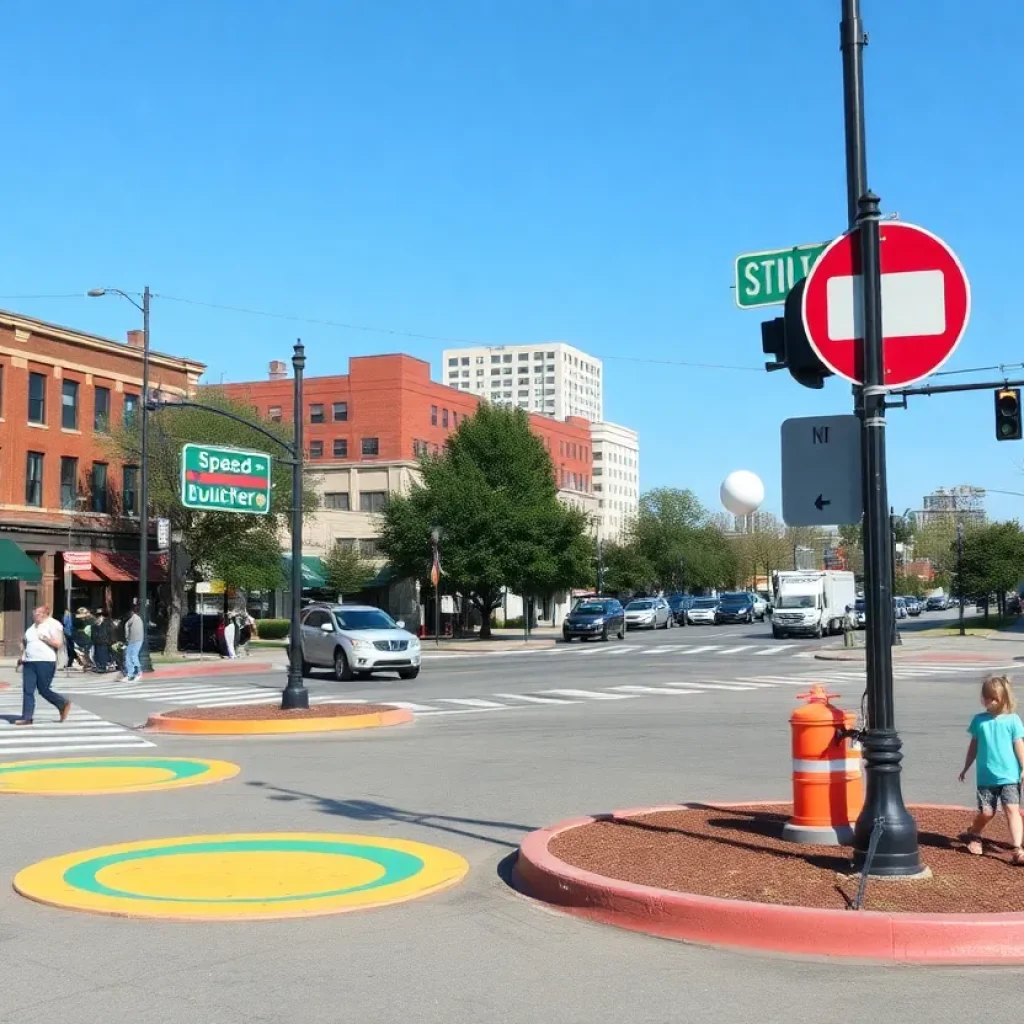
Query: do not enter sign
x=926, y=303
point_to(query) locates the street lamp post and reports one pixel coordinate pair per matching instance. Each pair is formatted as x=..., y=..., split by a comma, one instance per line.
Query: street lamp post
x=682, y=587
x=435, y=578
x=960, y=571
x=145, y=660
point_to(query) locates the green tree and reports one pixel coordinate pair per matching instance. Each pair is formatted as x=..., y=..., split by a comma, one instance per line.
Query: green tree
x=492, y=494
x=241, y=549
x=762, y=551
x=993, y=560
x=626, y=570
x=345, y=570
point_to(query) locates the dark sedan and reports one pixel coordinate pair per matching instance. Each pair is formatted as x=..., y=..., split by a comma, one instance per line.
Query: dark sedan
x=735, y=608
x=680, y=605
x=595, y=618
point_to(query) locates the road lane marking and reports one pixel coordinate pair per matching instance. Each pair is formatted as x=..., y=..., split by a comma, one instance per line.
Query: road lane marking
x=721, y=686
x=588, y=694
x=530, y=699
x=471, y=702
x=651, y=689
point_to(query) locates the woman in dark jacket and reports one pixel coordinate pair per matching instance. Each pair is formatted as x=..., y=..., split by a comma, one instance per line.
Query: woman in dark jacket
x=102, y=638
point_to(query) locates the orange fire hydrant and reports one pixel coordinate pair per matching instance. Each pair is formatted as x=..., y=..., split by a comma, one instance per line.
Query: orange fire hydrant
x=827, y=789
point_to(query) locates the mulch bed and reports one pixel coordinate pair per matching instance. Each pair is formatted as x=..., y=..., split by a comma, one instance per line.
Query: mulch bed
x=738, y=853
x=269, y=713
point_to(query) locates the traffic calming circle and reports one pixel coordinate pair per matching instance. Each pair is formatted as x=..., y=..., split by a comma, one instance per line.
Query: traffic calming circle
x=88, y=776
x=249, y=876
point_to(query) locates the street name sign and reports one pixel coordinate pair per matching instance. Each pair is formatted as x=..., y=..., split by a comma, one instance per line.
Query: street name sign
x=821, y=471
x=926, y=303
x=225, y=479
x=766, y=278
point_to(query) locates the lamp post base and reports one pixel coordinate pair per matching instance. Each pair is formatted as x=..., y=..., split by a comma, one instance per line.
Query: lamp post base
x=145, y=659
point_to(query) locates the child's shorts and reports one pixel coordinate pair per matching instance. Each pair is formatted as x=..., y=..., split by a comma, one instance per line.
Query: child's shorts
x=990, y=797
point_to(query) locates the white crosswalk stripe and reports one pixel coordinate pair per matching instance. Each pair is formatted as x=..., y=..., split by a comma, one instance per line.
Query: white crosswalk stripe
x=533, y=699
x=587, y=694
x=653, y=689
x=471, y=702
x=83, y=731
x=721, y=686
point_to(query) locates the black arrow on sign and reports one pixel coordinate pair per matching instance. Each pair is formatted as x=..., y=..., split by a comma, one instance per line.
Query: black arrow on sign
x=820, y=502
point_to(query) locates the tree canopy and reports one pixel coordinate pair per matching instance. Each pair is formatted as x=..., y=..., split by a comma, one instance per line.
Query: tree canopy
x=345, y=570
x=491, y=493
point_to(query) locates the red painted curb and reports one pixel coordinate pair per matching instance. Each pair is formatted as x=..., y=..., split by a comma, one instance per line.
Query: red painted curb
x=212, y=668
x=764, y=927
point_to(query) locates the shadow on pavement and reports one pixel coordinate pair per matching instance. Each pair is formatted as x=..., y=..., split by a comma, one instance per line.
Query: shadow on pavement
x=369, y=810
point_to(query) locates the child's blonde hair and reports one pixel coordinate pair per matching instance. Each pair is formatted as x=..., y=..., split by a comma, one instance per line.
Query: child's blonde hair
x=997, y=690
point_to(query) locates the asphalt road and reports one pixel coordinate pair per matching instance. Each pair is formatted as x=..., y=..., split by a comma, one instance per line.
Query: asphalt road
x=475, y=782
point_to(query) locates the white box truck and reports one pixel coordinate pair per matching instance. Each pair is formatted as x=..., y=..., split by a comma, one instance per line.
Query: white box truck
x=811, y=603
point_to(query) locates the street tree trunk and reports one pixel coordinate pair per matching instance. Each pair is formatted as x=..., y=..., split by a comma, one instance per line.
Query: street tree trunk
x=180, y=563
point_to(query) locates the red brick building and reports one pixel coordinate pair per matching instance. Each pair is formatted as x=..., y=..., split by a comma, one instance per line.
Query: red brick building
x=61, y=487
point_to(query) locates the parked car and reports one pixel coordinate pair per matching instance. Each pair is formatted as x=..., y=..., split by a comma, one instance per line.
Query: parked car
x=860, y=612
x=679, y=605
x=196, y=629
x=595, y=617
x=738, y=607
x=356, y=640
x=913, y=606
x=936, y=603
x=702, y=611
x=648, y=613
x=899, y=607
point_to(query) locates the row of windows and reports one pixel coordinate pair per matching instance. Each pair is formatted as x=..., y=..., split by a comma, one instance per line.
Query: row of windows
x=573, y=481
x=71, y=496
x=317, y=413
x=524, y=357
x=369, y=448
x=444, y=417
x=369, y=501
x=538, y=371
x=70, y=403
x=572, y=450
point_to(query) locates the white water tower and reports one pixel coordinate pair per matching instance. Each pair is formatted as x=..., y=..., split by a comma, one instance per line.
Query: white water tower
x=742, y=492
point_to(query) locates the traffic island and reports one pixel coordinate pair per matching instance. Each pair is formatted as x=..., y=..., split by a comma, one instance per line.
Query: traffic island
x=722, y=875
x=264, y=720
x=241, y=877
x=102, y=776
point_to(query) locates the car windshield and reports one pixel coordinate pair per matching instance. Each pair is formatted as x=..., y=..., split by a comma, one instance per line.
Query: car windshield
x=365, y=618
x=639, y=606
x=796, y=601
x=591, y=608
x=735, y=599
x=705, y=602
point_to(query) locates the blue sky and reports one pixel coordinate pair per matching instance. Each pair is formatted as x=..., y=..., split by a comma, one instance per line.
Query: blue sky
x=584, y=170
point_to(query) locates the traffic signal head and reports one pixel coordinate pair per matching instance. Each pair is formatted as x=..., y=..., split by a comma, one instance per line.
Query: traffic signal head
x=1008, y=418
x=785, y=339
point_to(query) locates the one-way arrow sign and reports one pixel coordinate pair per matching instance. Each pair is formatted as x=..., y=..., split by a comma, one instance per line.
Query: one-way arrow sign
x=821, y=455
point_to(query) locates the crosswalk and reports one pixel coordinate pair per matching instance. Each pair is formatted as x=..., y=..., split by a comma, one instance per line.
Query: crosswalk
x=197, y=693
x=83, y=731
x=591, y=650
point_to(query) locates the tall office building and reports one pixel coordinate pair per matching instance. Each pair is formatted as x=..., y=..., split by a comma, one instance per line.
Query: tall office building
x=963, y=503
x=550, y=378
x=616, y=452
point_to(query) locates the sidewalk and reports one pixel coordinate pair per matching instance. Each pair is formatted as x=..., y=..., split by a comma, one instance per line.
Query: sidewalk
x=501, y=640
x=1008, y=644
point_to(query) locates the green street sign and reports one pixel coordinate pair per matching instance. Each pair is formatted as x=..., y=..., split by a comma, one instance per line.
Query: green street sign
x=225, y=480
x=765, y=278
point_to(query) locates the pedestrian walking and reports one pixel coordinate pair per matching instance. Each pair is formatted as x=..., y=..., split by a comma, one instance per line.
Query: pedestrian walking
x=245, y=628
x=39, y=663
x=230, y=632
x=134, y=634
x=997, y=745
x=68, y=623
x=102, y=638
x=83, y=638
x=221, y=643
x=850, y=627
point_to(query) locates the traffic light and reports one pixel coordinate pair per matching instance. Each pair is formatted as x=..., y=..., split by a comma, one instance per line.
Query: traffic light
x=785, y=339
x=1008, y=421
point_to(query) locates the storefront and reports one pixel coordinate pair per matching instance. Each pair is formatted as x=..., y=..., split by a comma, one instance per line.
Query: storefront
x=108, y=580
x=20, y=591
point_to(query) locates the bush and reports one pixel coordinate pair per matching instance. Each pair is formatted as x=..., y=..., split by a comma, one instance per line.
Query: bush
x=272, y=629
x=513, y=622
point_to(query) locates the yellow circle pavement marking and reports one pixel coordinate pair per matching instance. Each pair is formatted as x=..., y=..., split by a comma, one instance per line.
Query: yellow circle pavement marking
x=90, y=776
x=247, y=876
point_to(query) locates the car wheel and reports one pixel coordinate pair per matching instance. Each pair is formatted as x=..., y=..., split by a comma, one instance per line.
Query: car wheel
x=604, y=635
x=566, y=639
x=621, y=635
x=408, y=673
x=342, y=669
x=777, y=633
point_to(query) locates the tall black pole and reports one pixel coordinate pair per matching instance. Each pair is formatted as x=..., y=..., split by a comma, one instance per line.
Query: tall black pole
x=145, y=660
x=960, y=571
x=295, y=695
x=435, y=573
x=897, y=851
x=600, y=568
x=897, y=640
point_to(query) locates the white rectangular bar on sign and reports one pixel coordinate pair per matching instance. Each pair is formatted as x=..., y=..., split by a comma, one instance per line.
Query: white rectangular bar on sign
x=913, y=305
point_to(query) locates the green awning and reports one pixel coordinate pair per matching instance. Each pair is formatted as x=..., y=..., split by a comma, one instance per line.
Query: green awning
x=312, y=572
x=16, y=565
x=386, y=575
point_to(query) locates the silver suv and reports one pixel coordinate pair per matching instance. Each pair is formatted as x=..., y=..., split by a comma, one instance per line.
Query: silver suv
x=356, y=640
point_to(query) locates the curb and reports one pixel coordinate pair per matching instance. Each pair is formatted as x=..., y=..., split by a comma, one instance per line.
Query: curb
x=270, y=726
x=212, y=668
x=762, y=927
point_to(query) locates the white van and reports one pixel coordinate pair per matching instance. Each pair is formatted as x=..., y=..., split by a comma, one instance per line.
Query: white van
x=811, y=603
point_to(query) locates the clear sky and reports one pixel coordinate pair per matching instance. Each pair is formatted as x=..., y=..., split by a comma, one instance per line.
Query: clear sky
x=515, y=170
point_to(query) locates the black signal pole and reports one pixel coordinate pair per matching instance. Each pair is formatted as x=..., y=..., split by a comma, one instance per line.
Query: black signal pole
x=897, y=851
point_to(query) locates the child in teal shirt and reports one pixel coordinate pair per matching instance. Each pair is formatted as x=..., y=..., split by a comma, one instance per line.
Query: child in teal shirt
x=997, y=744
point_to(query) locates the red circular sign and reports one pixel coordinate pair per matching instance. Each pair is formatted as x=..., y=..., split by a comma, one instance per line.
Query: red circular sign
x=926, y=303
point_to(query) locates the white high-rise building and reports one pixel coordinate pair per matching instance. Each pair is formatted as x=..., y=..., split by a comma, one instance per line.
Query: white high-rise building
x=616, y=454
x=550, y=378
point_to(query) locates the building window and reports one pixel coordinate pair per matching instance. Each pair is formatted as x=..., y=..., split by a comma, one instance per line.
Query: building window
x=274, y=414
x=336, y=500
x=341, y=448
x=453, y=375
x=524, y=357
x=99, y=487
x=453, y=362
x=495, y=359
x=371, y=447
x=101, y=411
x=131, y=407
x=479, y=373
x=465, y=373
x=340, y=412
x=455, y=418
x=524, y=392
x=418, y=447
x=316, y=449
x=130, y=491
x=372, y=501
x=465, y=360
x=36, y=398
x=316, y=413
x=433, y=415
x=68, y=483
x=34, y=479
x=69, y=405
x=495, y=373
x=506, y=359
x=444, y=418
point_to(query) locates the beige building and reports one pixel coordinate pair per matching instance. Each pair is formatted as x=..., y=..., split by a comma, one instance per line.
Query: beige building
x=616, y=454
